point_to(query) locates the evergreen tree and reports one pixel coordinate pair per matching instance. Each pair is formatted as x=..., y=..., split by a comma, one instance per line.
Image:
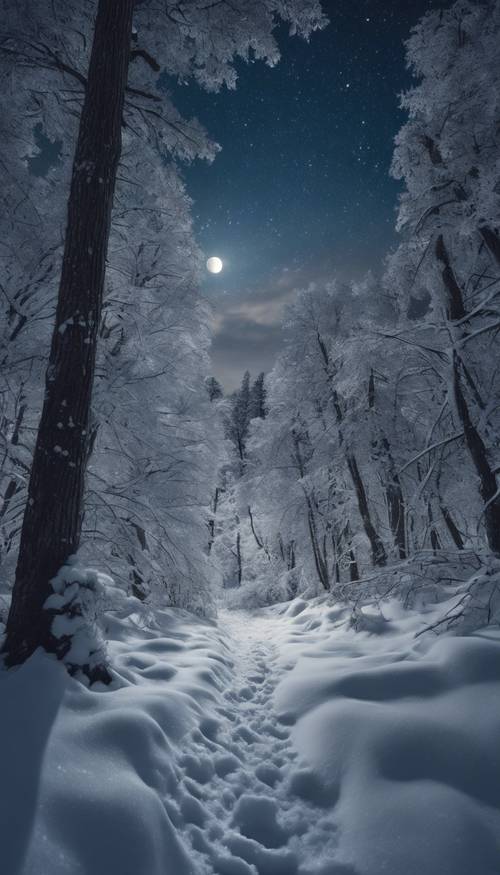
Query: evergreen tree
x=214, y=389
x=240, y=416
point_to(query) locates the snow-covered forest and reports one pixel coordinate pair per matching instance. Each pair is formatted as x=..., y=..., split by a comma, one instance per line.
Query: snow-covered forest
x=247, y=633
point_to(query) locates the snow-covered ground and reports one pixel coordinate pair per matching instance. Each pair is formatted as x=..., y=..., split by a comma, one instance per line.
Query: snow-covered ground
x=274, y=742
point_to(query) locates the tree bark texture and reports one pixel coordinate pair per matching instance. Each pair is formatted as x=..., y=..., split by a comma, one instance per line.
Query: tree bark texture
x=53, y=516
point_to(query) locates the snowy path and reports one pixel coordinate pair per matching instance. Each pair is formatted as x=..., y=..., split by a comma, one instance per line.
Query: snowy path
x=246, y=805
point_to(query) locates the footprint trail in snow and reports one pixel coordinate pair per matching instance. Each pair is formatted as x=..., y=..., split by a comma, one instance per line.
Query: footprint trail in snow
x=244, y=805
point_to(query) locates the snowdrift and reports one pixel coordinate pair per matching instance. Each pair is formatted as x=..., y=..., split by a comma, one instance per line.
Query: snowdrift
x=275, y=742
x=402, y=734
x=87, y=775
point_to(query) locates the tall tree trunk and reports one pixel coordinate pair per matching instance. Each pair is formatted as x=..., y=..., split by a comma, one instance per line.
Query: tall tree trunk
x=395, y=505
x=211, y=522
x=353, y=565
x=238, y=557
x=492, y=241
x=454, y=298
x=258, y=541
x=452, y=527
x=488, y=486
x=393, y=488
x=52, y=520
x=379, y=556
x=319, y=558
x=435, y=539
x=395, y=502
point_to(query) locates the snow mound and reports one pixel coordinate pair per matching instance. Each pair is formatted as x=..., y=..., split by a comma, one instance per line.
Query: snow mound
x=403, y=732
x=87, y=774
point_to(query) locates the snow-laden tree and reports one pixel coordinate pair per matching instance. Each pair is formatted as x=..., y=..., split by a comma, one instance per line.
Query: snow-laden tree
x=231, y=519
x=348, y=470
x=237, y=543
x=258, y=398
x=447, y=154
x=307, y=467
x=152, y=359
x=239, y=418
x=158, y=446
x=214, y=389
x=117, y=79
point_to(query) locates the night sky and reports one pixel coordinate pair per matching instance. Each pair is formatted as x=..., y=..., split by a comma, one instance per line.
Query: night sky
x=301, y=189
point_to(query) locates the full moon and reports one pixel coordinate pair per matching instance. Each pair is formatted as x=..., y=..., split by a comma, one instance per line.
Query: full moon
x=214, y=264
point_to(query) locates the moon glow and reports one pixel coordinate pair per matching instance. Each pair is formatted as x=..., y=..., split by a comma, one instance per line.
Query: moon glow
x=214, y=264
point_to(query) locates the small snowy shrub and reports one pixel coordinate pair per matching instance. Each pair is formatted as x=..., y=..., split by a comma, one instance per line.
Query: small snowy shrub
x=76, y=605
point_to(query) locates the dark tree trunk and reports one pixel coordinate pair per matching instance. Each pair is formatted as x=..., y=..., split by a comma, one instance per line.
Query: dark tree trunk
x=238, y=557
x=395, y=506
x=455, y=304
x=287, y=553
x=319, y=558
x=258, y=541
x=487, y=480
x=396, y=517
x=281, y=546
x=52, y=521
x=211, y=522
x=435, y=539
x=138, y=588
x=353, y=567
x=393, y=489
x=488, y=487
x=379, y=556
x=492, y=241
x=137, y=584
x=452, y=527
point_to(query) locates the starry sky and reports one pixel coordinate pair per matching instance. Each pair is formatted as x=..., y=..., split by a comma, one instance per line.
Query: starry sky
x=301, y=189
